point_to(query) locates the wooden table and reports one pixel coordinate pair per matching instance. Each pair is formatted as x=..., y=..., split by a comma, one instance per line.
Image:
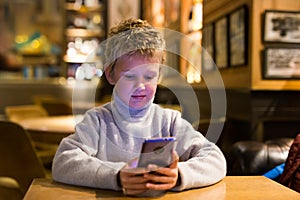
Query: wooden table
x=51, y=129
x=231, y=188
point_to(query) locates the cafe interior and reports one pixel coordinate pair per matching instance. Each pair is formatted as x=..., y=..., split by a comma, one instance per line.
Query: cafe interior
x=223, y=59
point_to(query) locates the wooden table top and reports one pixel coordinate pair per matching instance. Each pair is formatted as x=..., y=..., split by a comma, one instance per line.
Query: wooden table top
x=59, y=124
x=231, y=188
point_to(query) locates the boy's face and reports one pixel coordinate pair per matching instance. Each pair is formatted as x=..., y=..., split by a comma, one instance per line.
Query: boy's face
x=135, y=78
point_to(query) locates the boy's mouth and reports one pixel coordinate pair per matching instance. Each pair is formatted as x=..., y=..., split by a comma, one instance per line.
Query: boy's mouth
x=138, y=97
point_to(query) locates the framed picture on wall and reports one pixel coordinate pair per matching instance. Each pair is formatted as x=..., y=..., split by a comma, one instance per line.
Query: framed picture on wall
x=221, y=42
x=281, y=26
x=208, y=47
x=282, y=63
x=238, y=37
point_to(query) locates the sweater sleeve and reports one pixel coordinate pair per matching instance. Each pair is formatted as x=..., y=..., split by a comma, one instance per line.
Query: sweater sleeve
x=201, y=162
x=75, y=161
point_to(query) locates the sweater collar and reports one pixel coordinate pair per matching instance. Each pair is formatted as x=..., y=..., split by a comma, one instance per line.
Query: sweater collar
x=126, y=112
x=134, y=122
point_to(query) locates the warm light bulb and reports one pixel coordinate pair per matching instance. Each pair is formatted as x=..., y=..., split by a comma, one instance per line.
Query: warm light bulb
x=197, y=16
x=190, y=74
x=197, y=77
x=97, y=19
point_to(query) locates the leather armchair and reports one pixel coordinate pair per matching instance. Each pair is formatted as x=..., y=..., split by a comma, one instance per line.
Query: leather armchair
x=256, y=158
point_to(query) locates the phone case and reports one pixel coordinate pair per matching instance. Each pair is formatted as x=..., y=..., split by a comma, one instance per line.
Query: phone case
x=157, y=151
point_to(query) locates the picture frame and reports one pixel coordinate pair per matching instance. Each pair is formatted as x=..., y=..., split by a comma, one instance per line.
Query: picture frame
x=281, y=63
x=281, y=26
x=208, y=47
x=238, y=37
x=221, y=38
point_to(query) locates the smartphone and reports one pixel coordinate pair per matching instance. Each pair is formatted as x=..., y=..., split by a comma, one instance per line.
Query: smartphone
x=157, y=151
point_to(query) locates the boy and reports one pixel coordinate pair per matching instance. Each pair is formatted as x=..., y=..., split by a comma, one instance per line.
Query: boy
x=105, y=144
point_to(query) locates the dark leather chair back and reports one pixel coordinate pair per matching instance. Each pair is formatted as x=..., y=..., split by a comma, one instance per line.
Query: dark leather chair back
x=256, y=158
x=18, y=157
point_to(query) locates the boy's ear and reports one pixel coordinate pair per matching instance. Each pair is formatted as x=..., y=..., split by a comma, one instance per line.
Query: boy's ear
x=109, y=75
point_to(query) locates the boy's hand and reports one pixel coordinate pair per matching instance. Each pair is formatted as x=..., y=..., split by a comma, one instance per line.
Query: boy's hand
x=135, y=181
x=132, y=179
x=164, y=178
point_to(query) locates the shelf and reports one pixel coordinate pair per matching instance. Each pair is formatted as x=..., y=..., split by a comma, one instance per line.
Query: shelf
x=72, y=7
x=39, y=59
x=85, y=25
x=81, y=59
x=79, y=32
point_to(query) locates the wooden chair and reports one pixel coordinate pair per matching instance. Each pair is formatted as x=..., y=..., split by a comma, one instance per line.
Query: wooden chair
x=20, y=112
x=54, y=106
x=19, y=160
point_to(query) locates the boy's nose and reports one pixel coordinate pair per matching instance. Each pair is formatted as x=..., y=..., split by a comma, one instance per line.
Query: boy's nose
x=141, y=84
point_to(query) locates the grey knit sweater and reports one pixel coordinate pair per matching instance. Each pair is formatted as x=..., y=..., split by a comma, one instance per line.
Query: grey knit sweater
x=111, y=135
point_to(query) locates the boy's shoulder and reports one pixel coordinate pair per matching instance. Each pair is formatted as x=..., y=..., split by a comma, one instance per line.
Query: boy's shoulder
x=100, y=108
x=167, y=109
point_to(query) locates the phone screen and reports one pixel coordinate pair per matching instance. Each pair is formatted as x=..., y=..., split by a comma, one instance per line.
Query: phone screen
x=157, y=151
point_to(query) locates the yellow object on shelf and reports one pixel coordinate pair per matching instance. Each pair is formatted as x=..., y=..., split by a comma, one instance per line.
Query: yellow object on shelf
x=35, y=44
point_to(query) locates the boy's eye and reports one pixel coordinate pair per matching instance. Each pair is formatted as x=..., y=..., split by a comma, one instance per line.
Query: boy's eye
x=149, y=77
x=129, y=76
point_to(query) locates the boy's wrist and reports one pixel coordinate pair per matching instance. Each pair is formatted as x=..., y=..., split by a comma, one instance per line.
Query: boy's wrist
x=119, y=179
x=178, y=183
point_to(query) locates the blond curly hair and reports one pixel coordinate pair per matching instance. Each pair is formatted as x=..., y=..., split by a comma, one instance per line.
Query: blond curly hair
x=133, y=36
